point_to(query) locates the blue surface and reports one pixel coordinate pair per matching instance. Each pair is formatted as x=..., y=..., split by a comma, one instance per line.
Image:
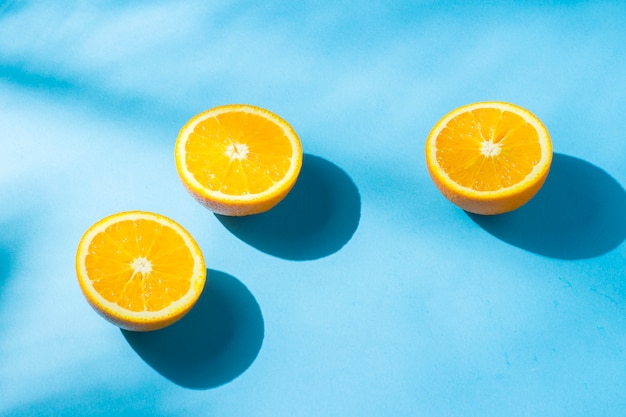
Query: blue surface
x=365, y=293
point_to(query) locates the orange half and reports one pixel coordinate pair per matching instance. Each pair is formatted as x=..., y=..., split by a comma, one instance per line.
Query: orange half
x=139, y=270
x=489, y=157
x=238, y=159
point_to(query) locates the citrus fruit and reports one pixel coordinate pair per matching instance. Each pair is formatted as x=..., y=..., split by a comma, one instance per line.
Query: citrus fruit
x=238, y=159
x=139, y=270
x=489, y=157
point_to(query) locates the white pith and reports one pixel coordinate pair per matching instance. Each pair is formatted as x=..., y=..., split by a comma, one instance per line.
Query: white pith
x=237, y=151
x=490, y=149
x=141, y=265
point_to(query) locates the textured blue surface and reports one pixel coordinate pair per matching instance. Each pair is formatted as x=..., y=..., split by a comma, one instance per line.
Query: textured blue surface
x=365, y=293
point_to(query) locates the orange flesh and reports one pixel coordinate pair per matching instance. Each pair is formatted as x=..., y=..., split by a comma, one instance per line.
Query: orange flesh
x=265, y=158
x=460, y=143
x=109, y=264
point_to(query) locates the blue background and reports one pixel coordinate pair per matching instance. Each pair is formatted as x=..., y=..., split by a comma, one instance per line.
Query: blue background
x=365, y=293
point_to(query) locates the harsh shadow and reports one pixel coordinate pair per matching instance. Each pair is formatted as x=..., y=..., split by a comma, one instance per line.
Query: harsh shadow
x=316, y=219
x=212, y=344
x=579, y=213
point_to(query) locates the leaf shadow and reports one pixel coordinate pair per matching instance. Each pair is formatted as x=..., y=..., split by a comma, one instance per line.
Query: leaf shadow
x=7, y=259
x=14, y=232
x=577, y=214
x=211, y=345
x=123, y=106
x=316, y=219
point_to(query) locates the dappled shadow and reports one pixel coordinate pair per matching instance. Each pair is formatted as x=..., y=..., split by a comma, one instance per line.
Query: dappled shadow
x=13, y=233
x=316, y=219
x=121, y=400
x=6, y=264
x=579, y=213
x=71, y=90
x=213, y=344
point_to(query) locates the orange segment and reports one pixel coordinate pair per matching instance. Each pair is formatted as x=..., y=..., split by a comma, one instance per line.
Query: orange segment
x=238, y=159
x=142, y=271
x=489, y=157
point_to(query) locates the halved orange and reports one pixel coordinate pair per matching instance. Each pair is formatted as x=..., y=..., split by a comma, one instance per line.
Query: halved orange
x=238, y=159
x=139, y=270
x=489, y=157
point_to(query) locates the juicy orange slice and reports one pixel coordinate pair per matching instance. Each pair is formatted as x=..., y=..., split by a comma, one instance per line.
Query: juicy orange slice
x=489, y=157
x=141, y=271
x=238, y=159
